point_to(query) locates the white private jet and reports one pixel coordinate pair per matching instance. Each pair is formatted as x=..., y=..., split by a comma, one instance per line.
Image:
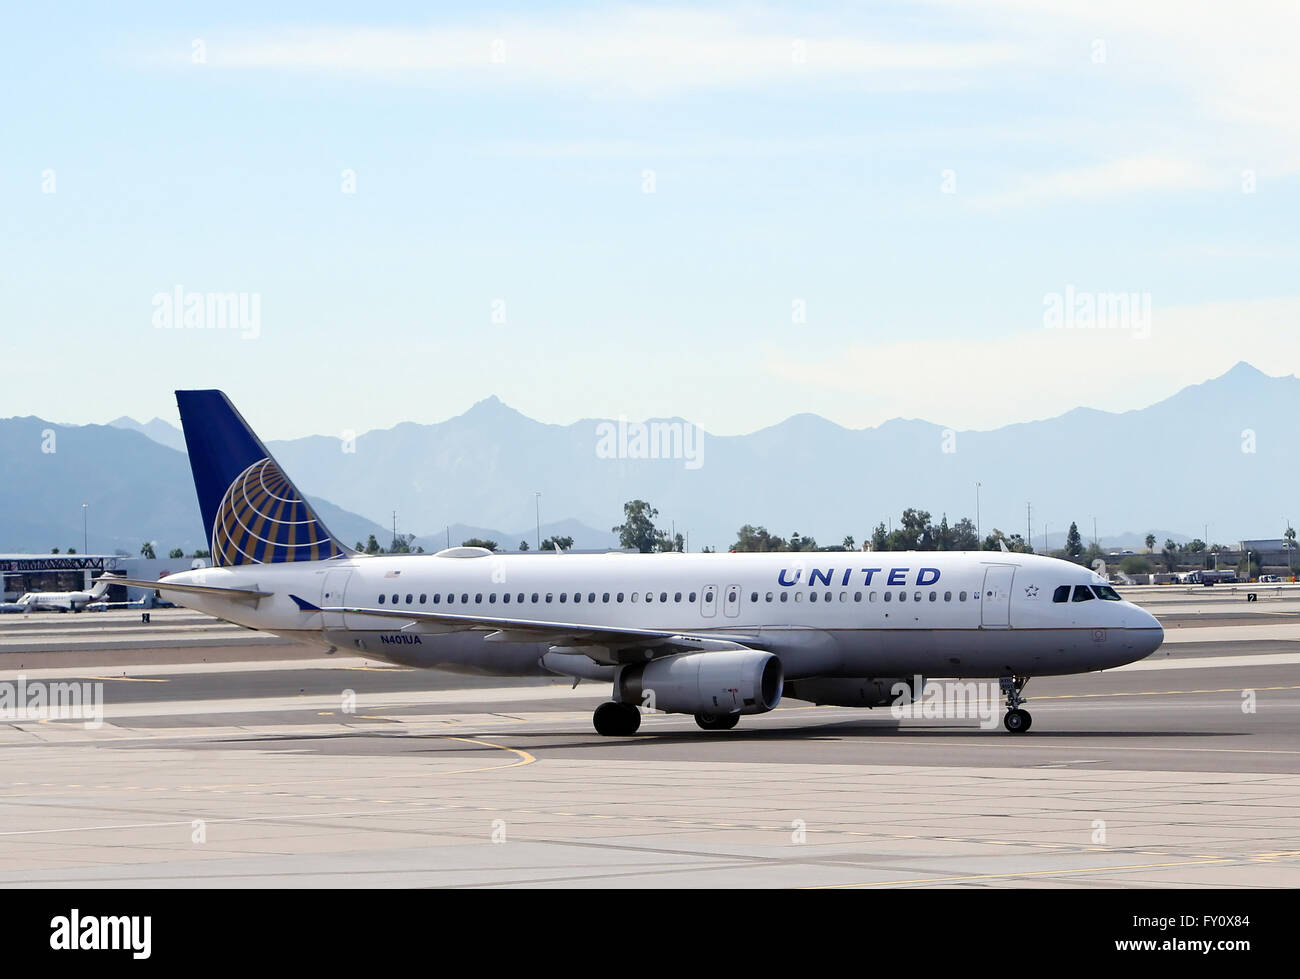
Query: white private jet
x=712, y=635
x=67, y=601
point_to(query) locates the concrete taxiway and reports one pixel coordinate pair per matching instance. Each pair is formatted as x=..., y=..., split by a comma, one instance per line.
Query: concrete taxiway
x=222, y=762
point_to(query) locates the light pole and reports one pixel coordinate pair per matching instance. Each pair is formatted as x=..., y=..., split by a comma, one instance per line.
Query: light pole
x=85, y=528
x=979, y=541
x=537, y=506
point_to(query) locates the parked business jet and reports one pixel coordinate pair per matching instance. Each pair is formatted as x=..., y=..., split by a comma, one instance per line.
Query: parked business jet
x=66, y=601
x=713, y=635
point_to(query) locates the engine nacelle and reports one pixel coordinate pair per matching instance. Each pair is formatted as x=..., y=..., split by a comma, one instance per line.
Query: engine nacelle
x=866, y=691
x=742, y=681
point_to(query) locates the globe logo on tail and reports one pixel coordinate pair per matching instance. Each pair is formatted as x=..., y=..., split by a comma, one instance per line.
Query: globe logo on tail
x=263, y=519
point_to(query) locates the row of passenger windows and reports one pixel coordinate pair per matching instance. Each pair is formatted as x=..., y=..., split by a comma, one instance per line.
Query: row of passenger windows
x=577, y=597
x=1085, y=593
x=519, y=599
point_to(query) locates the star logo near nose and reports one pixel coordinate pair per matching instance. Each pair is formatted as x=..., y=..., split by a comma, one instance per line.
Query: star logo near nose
x=1031, y=591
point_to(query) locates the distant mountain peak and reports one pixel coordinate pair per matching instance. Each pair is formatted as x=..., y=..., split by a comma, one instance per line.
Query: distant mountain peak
x=1243, y=371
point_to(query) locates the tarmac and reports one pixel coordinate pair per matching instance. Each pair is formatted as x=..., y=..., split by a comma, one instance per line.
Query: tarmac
x=228, y=758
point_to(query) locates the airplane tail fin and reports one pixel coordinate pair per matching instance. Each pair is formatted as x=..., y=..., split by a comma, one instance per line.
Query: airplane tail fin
x=252, y=512
x=102, y=584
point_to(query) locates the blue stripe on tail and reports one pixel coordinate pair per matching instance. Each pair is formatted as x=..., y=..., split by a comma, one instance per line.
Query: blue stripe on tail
x=252, y=511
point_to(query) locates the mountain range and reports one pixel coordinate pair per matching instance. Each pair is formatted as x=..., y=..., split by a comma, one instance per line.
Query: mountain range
x=1215, y=457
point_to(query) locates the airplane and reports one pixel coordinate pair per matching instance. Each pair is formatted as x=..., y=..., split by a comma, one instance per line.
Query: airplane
x=66, y=601
x=716, y=636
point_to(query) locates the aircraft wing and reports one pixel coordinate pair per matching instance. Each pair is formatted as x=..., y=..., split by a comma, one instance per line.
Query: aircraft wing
x=541, y=630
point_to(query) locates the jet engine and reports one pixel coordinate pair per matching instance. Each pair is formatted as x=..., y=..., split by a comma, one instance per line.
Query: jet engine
x=742, y=681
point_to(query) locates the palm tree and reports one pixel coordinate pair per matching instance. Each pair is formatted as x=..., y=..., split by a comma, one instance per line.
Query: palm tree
x=1151, y=543
x=146, y=551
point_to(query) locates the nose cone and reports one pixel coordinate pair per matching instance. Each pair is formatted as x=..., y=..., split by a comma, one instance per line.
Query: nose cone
x=1147, y=630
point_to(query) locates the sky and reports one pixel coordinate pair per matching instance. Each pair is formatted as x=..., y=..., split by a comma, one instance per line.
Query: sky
x=730, y=213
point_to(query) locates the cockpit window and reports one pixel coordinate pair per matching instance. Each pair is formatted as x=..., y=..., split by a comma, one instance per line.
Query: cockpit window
x=1062, y=594
x=1107, y=593
x=1082, y=593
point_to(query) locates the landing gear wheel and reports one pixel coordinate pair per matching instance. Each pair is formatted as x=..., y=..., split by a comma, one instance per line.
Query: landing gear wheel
x=616, y=720
x=1017, y=721
x=717, y=722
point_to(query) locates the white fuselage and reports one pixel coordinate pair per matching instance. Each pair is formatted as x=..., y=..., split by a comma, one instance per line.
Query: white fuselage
x=825, y=613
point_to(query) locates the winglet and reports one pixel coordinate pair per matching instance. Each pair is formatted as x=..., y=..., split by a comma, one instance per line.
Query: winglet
x=305, y=605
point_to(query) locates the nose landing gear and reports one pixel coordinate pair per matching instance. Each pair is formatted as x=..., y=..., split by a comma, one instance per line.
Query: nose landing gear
x=1017, y=720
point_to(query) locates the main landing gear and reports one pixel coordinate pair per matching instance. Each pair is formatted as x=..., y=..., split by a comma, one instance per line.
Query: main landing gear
x=1017, y=719
x=717, y=722
x=616, y=720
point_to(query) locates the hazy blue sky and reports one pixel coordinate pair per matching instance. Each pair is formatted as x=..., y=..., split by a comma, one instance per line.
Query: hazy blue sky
x=918, y=175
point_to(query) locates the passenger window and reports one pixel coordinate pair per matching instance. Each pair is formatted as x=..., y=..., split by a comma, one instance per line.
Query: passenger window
x=1082, y=593
x=1062, y=594
x=961, y=596
x=605, y=598
x=857, y=596
x=634, y=596
x=827, y=596
x=591, y=596
x=798, y=596
x=451, y=599
x=691, y=598
x=548, y=598
x=916, y=597
x=753, y=596
x=464, y=598
x=478, y=599
x=663, y=596
x=436, y=596
x=564, y=597
x=902, y=596
x=871, y=597
x=534, y=598
x=394, y=599
x=410, y=599
x=889, y=596
x=577, y=598
x=947, y=596
x=769, y=596
x=934, y=596
x=844, y=596
x=381, y=599
x=812, y=596
x=492, y=599
x=785, y=595
x=506, y=598
x=677, y=597
x=619, y=598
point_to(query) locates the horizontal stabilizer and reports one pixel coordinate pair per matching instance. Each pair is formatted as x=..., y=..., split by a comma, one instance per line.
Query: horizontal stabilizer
x=234, y=594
